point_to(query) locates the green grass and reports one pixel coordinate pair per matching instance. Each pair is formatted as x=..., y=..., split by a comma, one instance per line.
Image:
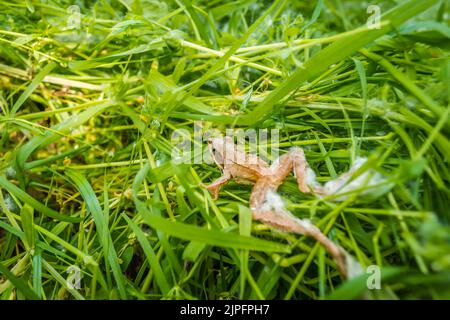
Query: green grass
x=87, y=115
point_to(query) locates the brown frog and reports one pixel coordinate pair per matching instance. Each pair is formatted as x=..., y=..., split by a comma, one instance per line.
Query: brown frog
x=265, y=204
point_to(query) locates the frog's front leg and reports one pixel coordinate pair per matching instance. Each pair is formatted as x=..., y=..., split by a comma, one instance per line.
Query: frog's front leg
x=214, y=187
x=295, y=161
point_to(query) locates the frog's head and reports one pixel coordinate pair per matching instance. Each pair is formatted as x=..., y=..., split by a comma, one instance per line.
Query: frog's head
x=219, y=148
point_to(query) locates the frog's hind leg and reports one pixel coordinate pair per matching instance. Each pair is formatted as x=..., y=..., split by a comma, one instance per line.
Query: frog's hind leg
x=214, y=187
x=268, y=207
x=295, y=161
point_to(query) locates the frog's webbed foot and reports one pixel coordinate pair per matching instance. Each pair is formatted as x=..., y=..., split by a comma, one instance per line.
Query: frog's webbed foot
x=214, y=187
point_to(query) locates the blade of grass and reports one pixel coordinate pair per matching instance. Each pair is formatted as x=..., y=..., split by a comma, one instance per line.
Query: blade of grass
x=407, y=83
x=363, y=79
x=63, y=282
x=201, y=27
x=354, y=288
x=236, y=45
x=37, y=273
x=23, y=196
x=19, y=283
x=104, y=236
x=245, y=225
x=334, y=53
x=31, y=87
x=27, y=217
x=160, y=277
x=62, y=128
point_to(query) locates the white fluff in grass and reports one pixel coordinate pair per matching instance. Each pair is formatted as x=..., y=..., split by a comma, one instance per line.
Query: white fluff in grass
x=341, y=185
x=311, y=178
x=367, y=179
x=10, y=172
x=9, y=203
x=275, y=203
x=352, y=266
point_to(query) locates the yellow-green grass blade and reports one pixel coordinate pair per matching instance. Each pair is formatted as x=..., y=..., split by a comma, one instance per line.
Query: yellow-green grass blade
x=334, y=53
x=31, y=87
x=26, y=198
x=103, y=234
x=57, y=131
x=27, y=216
x=160, y=278
x=354, y=288
x=18, y=283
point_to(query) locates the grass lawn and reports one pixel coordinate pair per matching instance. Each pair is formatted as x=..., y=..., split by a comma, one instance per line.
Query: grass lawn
x=93, y=204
